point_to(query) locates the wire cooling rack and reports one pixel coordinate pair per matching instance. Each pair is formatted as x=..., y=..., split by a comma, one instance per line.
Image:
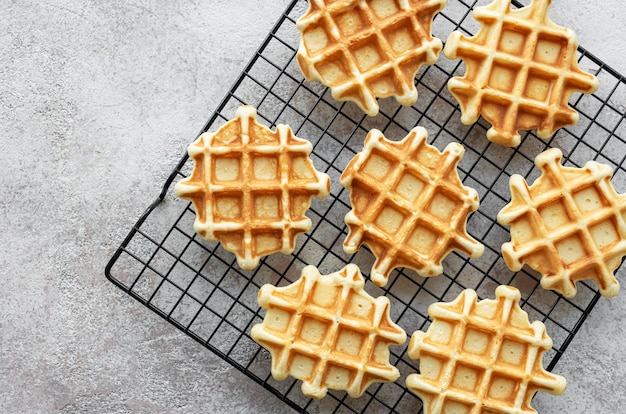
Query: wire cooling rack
x=198, y=288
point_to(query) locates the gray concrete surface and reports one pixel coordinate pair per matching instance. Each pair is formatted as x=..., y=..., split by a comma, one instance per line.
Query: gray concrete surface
x=98, y=100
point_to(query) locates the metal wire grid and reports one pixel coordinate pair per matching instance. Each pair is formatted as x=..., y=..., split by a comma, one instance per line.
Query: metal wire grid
x=198, y=288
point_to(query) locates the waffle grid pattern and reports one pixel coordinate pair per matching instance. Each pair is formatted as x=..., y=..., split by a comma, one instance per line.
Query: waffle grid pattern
x=246, y=167
x=527, y=82
x=412, y=194
x=569, y=210
x=328, y=332
x=199, y=288
x=374, y=49
x=498, y=379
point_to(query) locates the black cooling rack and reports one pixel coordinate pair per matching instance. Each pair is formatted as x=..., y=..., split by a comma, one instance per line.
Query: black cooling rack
x=198, y=288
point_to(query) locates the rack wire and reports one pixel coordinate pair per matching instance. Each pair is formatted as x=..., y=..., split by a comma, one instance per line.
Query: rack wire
x=197, y=286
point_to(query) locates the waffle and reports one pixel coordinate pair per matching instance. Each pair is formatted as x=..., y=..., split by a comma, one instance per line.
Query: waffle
x=408, y=204
x=521, y=72
x=569, y=225
x=327, y=331
x=481, y=357
x=251, y=187
x=371, y=49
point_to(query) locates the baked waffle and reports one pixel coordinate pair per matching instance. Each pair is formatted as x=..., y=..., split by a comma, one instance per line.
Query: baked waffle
x=327, y=331
x=368, y=49
x=569, y=225
x=521, y=72
x=408, y=204
x=251, y=187
x=481, y=357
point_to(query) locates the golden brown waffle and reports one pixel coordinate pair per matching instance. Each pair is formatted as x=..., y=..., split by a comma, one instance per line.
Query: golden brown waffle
x=368, y=49
x=521, y=72
x=569, y=225
x=327, y=331
x=251, y=187
x=408, y=204
x=481, y=357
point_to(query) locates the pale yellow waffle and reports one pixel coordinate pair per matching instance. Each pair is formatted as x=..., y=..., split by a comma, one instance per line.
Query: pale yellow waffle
x=481, y=357
x=251, y=187
x=569, y=225
x=408, y=204
x=327, y=331
x=368, y=49
x=521, y=71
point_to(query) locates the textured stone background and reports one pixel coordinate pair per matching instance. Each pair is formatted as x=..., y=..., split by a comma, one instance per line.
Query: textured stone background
x=98, y=100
